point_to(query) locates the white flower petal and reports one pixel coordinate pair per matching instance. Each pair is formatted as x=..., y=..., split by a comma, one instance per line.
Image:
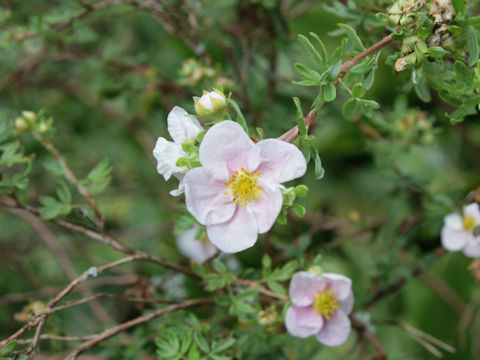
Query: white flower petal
x=226, y=148
x=473, y=211
x=335, y=331
x=472, y=248
x=267, y=206
x=280, y=161
x=205, y=197
x=181, y=126
x=303, y=322
x=304, y=286
x=167, y=154
x=453, y=221
x=347, y=305
x=237, y=234
x=195, y=249
x=454, y=240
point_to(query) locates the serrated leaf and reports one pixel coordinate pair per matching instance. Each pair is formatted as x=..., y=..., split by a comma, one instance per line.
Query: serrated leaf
x=353, y=37
x=285, y=272
x=51, y=208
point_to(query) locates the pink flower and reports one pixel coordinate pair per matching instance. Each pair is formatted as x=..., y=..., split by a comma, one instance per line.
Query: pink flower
x=458, y=231
x=320, y=306
x=237, y=192
x=181, y=128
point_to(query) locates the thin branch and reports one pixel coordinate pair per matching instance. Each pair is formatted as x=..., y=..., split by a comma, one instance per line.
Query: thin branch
x=134, y=322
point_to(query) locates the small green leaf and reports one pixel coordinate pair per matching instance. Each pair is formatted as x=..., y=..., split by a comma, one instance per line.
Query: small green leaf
x=240, y=118
x=463, y=75
x=362, y=67
x=9, y=347
x=302, y=126
x=314, y=54
x=423, y=91
x=353, y=37
x=307, y=73
x=329, y=92
x=63, y=193
x=299, y=210
x=334, y=70
x=219, y=266
x=276, y=287
x=301, y=190
x=323, y=50
x=460, y=6
x=472, y=45
x=474, y=22
x=194, y=354
x=437, y=52
x=201, y=342
x=224, y=345
x=348, y=109
x=358, y=90
x=266, y=261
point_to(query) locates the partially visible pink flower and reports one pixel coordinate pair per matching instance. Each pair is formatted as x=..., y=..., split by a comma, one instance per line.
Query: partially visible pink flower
x=181, y=127
x=237, y=192
x=199, y=250
x=458, y=231
x=320, y=306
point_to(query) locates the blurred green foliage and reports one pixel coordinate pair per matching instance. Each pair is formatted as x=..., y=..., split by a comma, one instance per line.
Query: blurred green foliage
x=400, y=151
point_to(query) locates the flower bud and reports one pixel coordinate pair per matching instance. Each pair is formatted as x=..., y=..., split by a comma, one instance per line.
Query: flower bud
x=211, y=103
x=25, y=121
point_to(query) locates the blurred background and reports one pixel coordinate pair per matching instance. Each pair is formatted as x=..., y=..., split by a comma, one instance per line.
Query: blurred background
x=109, y=72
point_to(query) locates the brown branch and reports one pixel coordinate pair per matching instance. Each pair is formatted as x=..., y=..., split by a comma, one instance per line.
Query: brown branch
x=134, y=322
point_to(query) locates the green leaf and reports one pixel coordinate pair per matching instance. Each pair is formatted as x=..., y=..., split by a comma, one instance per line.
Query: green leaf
x=472, y=45
x=285, y=272
x=201, y=342
x=299, y=210
x=63, y=193
x=168, y=345
x=437, y=52
x=423, y=91
x=334, y=70
x=362, y=67
x=194, y=354
x=302, y=126
x=307, y=73
x=358, y=90
x=337, y=54
x=224, y=345
x=463, y=75
x=266, y=261
x=329, y=92
x=460, y=6
x=240, y=308
x=276, y=287
x=323, y=50
x=9, y=154
x=319, y=170
x=301, y=190
x=51, y=208
x=240, y=118
x=474, y=22
x=348, y=109
x=353, y=37
x=314, y=54
x=214, y=282
x=9, y=347
x=219, y=266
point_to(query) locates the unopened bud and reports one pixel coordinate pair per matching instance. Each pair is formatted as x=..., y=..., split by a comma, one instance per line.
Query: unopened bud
x=21, y=124
x=211, y=103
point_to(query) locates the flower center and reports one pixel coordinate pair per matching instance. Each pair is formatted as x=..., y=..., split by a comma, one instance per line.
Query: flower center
x=468, y=223
x=244, y=187
x=325, y=304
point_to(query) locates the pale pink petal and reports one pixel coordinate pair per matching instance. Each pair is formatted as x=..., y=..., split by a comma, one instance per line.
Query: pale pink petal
x=181, y=126
x=195, y=249
x=280, y=161
x=167, y=154
x=454, y=240
x=335, y=330
x=472, y=210
x=472, y=249
x=226, y=148
x=453, y=221
x=205, y=197
x=339, y=284
x=237, y=234
x=267, y=206
x=181, y=187
x=347, y=305
x=303, y=321
x=304, y=286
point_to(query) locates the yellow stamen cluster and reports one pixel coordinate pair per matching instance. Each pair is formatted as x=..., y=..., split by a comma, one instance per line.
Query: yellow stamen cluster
x=324, y=303
x=243, y=186
x=468, y=223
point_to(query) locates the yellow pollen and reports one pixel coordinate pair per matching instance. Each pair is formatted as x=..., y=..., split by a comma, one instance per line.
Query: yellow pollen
x=468, y=223
x=324, y=303
x=243, y=186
